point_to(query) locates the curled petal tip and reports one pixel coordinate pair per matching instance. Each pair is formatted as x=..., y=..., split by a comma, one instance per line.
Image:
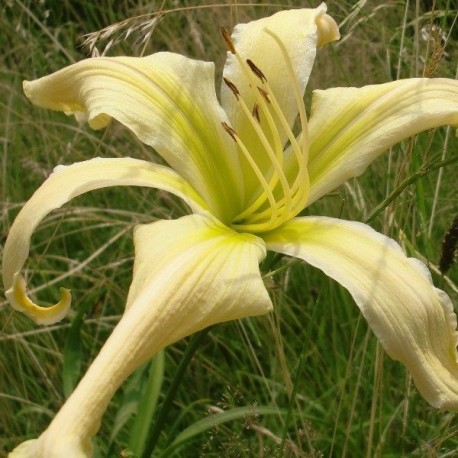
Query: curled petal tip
x=19, y=300
x=327, y=30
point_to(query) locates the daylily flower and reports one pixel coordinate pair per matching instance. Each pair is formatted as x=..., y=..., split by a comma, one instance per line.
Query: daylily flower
x=246, y=175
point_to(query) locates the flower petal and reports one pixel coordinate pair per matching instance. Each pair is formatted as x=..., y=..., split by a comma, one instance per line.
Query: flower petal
x=221, y=268
x=300, y=31
x=351, y=127
x=413, y=320
x=189, y=274
x=65, y=183
x=168, y=101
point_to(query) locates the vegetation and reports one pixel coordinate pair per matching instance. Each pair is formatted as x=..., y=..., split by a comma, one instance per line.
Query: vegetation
x=310, y=379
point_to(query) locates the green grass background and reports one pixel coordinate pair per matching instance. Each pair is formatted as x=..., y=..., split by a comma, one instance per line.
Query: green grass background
x=310, y=379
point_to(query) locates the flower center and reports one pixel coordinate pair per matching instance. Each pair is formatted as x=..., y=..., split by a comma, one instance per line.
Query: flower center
x=284, y=187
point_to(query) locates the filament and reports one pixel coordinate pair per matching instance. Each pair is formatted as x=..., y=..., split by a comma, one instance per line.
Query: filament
x=256, y=170
x=293, y=195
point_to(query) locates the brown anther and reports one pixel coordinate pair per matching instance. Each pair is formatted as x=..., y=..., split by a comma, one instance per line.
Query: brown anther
x=256, y=70
x=232, y=87
x=230, y=130
x=264, y=94
x=227, y=39
x=255, y=112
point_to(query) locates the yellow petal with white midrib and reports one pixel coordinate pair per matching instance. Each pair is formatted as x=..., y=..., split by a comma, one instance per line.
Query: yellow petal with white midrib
x=168, y=101
x=413, y=320
x=350, y=127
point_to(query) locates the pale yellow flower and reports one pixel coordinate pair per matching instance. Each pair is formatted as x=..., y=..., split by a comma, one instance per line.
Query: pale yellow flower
x=246, y=176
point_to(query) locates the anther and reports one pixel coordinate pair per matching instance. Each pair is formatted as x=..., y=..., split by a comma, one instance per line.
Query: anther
x=229, y=130
x=255, y=112
x=232, y=87
x=264, y=94
x=256, y=70
x=227, y=39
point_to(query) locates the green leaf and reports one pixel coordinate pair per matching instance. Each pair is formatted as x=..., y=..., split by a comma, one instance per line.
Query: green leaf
x=73, y=355
x=128, y=407
x=147, y=404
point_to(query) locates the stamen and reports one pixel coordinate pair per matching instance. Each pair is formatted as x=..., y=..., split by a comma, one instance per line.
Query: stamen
x=229, y=130
x=302, y=176
x=255, y=112
x=297, y=90
x=278, y=164
x=269, y=97
x=249, y=211
x=256, y=170
x=302, y=159
x=264, y=94
x=232, y=87
x=298, y=203
x=281, y=117
x=256, y=70
x=294, y=197
x=298, y=153
x=274, y=179
x=227, y=39
x=276, y=159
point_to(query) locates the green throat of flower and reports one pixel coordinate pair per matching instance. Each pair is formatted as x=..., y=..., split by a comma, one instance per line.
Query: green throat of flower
x=282, y=190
